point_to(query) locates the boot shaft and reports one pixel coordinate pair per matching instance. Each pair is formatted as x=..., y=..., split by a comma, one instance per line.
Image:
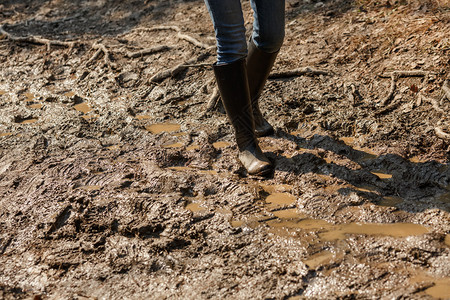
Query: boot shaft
x=234, y=92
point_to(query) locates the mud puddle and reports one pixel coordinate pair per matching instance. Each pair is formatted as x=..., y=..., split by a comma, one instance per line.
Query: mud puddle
x=163, y=127
x=440, y=288
x=220, y=145
x=356, y=207
x=83, y=107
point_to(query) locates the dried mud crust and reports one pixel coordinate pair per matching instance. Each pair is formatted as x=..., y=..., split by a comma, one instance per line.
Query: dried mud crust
x=96, y=201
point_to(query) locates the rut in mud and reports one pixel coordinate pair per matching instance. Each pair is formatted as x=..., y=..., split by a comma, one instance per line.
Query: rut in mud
x=118, y=175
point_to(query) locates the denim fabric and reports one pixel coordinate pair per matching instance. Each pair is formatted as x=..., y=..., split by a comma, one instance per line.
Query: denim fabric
x=228, y=20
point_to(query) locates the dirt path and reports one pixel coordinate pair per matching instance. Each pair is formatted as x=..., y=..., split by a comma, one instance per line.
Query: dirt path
x=117, y=182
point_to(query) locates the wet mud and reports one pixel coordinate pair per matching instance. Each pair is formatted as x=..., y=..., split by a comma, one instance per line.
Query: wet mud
x=115, y=186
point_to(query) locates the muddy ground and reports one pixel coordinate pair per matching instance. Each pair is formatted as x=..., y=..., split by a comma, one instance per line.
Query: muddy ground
x=116, y=183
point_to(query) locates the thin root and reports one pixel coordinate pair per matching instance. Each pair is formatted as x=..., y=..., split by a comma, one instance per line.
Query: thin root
x=36, y=40
x=441, y=134
x=391, y=90
x=213, y=100
x=435, y=105
x=100, y=49
x=158, y=77
x=298, y=72
x=193, y=41
x=401, y=74
x=147, y=51
x=154, y=28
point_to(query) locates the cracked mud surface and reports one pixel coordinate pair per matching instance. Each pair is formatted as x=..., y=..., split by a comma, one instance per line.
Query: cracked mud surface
x=113, y=186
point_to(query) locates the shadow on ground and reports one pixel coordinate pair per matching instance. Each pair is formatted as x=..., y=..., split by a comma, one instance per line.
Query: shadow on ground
x=412, y=186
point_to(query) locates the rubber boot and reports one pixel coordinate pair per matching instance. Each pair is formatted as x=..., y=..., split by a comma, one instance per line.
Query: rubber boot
x=259, y=64
x=233, y=87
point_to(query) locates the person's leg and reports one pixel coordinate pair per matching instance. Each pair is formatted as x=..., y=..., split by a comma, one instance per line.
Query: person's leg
x=231, y=76
x=268, y=25
x=264, y=45
x=229, y=28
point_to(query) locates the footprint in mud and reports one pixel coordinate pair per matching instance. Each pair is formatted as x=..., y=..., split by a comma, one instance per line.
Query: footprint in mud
x=279, y=203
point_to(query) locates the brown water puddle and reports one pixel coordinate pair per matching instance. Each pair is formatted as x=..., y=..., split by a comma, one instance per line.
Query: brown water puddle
x=329, y=232
x=382, y=175
x=113, y=147
x=322, y=258
x=220, y=145
x=440, y=289
x=348, y=140
x=83, y=107
x=339, y=232
x=236, y=223
x=174, y=145
x=91, y=187
x=280, y=199
x=163, y=127
x=391, y=201
x=35, y=106
x=366, y=189
x=290, y=213
x=276, y=188
x=143, y=117
x=29, y=96
x=5, y=134
x=194, y=207
x=69, y=94
x=208, y=172
x=192, y=147
x=178, y=134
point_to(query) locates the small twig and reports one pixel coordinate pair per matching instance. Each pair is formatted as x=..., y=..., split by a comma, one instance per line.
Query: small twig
x=395, y=75
x=36, y=40
x=148, y=51
x=388, y=108
x=213, y=100
x=391, y=90
x=435, y=105
x=154, y=28
x=401, y=74
x=298, y=72
x=441, y=134
x=193, y=41
x=353, y=94
x=158, y=77
x=100, y=49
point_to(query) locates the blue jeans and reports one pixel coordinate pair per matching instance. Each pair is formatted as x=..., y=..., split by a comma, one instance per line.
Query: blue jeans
x=228, y=20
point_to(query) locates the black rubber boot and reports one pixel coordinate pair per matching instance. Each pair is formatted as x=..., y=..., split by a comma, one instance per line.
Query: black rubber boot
x=233, y=87
x=259, y=64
